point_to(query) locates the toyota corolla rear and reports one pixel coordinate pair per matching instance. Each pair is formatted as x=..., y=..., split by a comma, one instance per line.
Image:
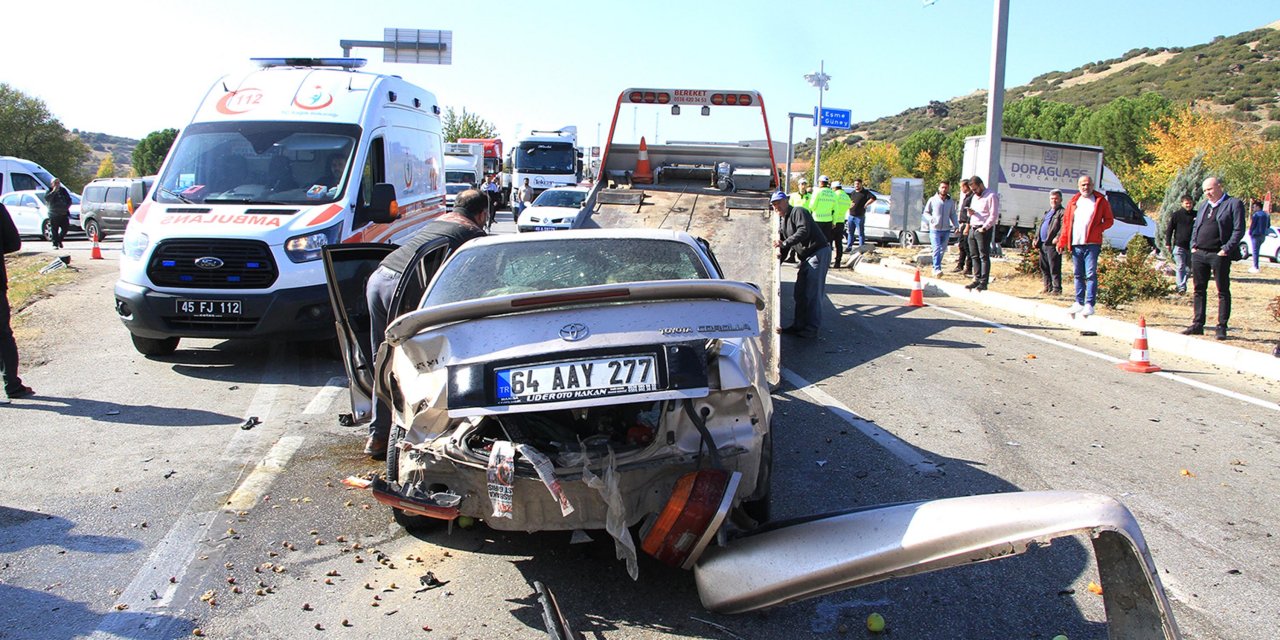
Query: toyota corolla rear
x=537, y=366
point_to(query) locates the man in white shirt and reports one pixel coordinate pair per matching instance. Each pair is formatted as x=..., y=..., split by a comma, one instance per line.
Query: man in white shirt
x=1087, y=216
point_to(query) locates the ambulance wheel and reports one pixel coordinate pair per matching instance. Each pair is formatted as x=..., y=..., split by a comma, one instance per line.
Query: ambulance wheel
x=154, y=346
x=409, y=522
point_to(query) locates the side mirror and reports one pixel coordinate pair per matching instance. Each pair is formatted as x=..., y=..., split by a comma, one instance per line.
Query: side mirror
x=382, y=206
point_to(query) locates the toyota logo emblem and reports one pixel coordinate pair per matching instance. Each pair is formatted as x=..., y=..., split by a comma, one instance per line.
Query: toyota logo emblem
x=574, y=332
x=209, y=262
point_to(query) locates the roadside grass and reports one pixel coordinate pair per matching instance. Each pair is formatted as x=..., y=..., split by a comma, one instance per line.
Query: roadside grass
x=27, y=284
x=1252, y=325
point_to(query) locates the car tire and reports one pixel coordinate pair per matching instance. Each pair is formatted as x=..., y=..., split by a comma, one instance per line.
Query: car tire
x=409, y=522
x=92, y=229
x=758, y=505
x=1276, y=257
x=908, y=239
x=154, y=346
x=46, y=230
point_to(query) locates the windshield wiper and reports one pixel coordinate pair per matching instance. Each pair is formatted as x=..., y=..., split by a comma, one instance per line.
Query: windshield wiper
x=179, y=196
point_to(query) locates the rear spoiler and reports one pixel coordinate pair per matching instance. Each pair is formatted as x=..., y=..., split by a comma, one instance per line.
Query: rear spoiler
x=793, y=560
x=409, y=324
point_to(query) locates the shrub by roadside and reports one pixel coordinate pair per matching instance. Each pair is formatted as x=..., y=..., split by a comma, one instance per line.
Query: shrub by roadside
x=1131, y=276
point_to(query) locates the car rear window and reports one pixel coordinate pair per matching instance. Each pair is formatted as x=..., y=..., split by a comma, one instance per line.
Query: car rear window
x=560, y=263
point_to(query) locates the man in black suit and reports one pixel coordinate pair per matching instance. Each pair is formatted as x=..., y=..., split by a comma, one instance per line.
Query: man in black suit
x=1215, y=242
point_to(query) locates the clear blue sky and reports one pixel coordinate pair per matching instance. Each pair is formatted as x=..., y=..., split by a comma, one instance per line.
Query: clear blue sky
x=129, y=67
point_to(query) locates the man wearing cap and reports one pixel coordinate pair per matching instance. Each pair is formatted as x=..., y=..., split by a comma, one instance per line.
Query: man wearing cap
x=813, y=248
x=843, y=203
x=857, y=216
x=800, y=198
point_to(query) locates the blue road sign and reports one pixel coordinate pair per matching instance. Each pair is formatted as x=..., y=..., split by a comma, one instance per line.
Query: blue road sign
x=835, y=118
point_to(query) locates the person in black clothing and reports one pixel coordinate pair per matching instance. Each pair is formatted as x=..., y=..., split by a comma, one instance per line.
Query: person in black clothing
x=466, y=221
x=963, y=263
x=58, y=199
x=1047, y=242
x=1215, y=242
x=13, y=387
x=855, y=221
x=813, y=250
x=1177, y=240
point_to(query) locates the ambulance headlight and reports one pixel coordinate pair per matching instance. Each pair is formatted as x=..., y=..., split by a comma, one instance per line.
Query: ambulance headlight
x=306, y=248
x=135, y=244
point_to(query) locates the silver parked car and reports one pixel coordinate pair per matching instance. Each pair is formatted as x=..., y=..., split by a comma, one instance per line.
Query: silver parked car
x=589, y=379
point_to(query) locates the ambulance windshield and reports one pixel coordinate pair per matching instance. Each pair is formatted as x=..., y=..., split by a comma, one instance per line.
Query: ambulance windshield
x=259, y=163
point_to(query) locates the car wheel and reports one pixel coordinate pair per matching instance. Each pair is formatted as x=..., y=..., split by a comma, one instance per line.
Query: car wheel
x=46, y=230
x=409, y=521
x=907, y=239
x=92, y=229
x=758, y=505
x=154, y=346
x=1276, y=257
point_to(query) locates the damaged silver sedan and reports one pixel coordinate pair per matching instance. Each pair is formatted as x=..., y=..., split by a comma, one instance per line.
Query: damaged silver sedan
x=577, y=380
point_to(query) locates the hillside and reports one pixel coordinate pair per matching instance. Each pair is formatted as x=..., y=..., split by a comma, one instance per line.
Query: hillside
x=1235, y=76
x=100, y=144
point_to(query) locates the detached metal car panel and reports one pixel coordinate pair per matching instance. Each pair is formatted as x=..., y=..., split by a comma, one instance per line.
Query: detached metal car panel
x=621, y=353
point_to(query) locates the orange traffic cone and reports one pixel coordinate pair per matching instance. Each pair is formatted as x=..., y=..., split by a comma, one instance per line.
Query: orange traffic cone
x=1140, y=357
x=96, y=253
x=643, y=173
x=917, y=293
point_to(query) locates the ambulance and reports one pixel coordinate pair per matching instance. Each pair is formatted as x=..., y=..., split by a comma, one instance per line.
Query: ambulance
x=277, y=162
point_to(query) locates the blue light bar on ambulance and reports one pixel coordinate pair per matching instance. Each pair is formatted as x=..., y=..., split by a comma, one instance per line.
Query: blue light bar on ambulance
x=345, y=63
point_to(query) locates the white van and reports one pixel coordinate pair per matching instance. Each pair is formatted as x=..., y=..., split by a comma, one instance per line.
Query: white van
x=277, y=163
x=17, y=174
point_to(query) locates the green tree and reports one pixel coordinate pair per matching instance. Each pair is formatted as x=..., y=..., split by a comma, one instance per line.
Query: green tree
x=926, y=140
x=28, y=130
x=1122, y=128
x=107, y=168
x=1188, y=181
x=1040, y=119
x=151, y=150
x=466, y=125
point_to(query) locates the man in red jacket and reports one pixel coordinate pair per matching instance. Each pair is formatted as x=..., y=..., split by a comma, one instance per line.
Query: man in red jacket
x=1087, y=216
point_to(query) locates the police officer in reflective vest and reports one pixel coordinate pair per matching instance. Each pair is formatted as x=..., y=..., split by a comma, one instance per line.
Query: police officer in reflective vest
x=822, y=204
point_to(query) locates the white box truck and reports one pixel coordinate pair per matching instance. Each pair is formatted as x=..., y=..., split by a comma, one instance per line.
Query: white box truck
x=276, y=163
x=463, y=169
x=1030, y=169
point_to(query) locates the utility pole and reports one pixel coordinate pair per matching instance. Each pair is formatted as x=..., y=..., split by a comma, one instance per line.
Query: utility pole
x=995, y=94
x=819, y=80
x=791, y=134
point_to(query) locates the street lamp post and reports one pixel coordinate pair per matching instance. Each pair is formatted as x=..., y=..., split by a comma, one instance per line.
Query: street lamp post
x=819, y=80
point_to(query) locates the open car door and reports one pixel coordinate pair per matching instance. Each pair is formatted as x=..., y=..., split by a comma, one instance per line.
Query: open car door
x=413, y=285
x=347, y=268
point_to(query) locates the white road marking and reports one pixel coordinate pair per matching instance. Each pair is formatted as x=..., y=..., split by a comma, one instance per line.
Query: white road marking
x=255, y=485
x=326, y=395
x=899, y=448
x=175, y=552
x=1266, y=404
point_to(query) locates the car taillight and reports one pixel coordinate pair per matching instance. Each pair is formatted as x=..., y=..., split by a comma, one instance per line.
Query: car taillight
x=697, y=506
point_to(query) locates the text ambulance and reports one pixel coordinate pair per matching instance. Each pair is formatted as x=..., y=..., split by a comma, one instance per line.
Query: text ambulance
x=276, y=163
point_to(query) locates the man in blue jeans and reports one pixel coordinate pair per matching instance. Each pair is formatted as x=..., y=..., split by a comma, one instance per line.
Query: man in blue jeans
x=466, y=221
x=940, y=218
x=1087, y=216
x=855, y=221
x=813, y=251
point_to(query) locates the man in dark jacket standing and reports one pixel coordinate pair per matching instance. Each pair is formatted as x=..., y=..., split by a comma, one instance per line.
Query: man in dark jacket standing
x=1047, y=242
x=58, y=199
x=1177, y=239
x=813, y=250
x=963, y=265
x=466, y=221
x=1215, y=242
x=13, y=387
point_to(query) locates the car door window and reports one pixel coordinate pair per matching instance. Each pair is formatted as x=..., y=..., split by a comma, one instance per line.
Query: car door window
x=11, y=200
x=93, y=194
x=29, y=200
x=23, y=182
x=116, y=195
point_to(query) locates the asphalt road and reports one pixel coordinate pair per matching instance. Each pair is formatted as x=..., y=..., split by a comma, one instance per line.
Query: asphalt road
x=115, y=483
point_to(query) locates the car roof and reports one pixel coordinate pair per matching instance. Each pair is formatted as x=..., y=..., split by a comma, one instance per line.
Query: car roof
x=578, y=234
